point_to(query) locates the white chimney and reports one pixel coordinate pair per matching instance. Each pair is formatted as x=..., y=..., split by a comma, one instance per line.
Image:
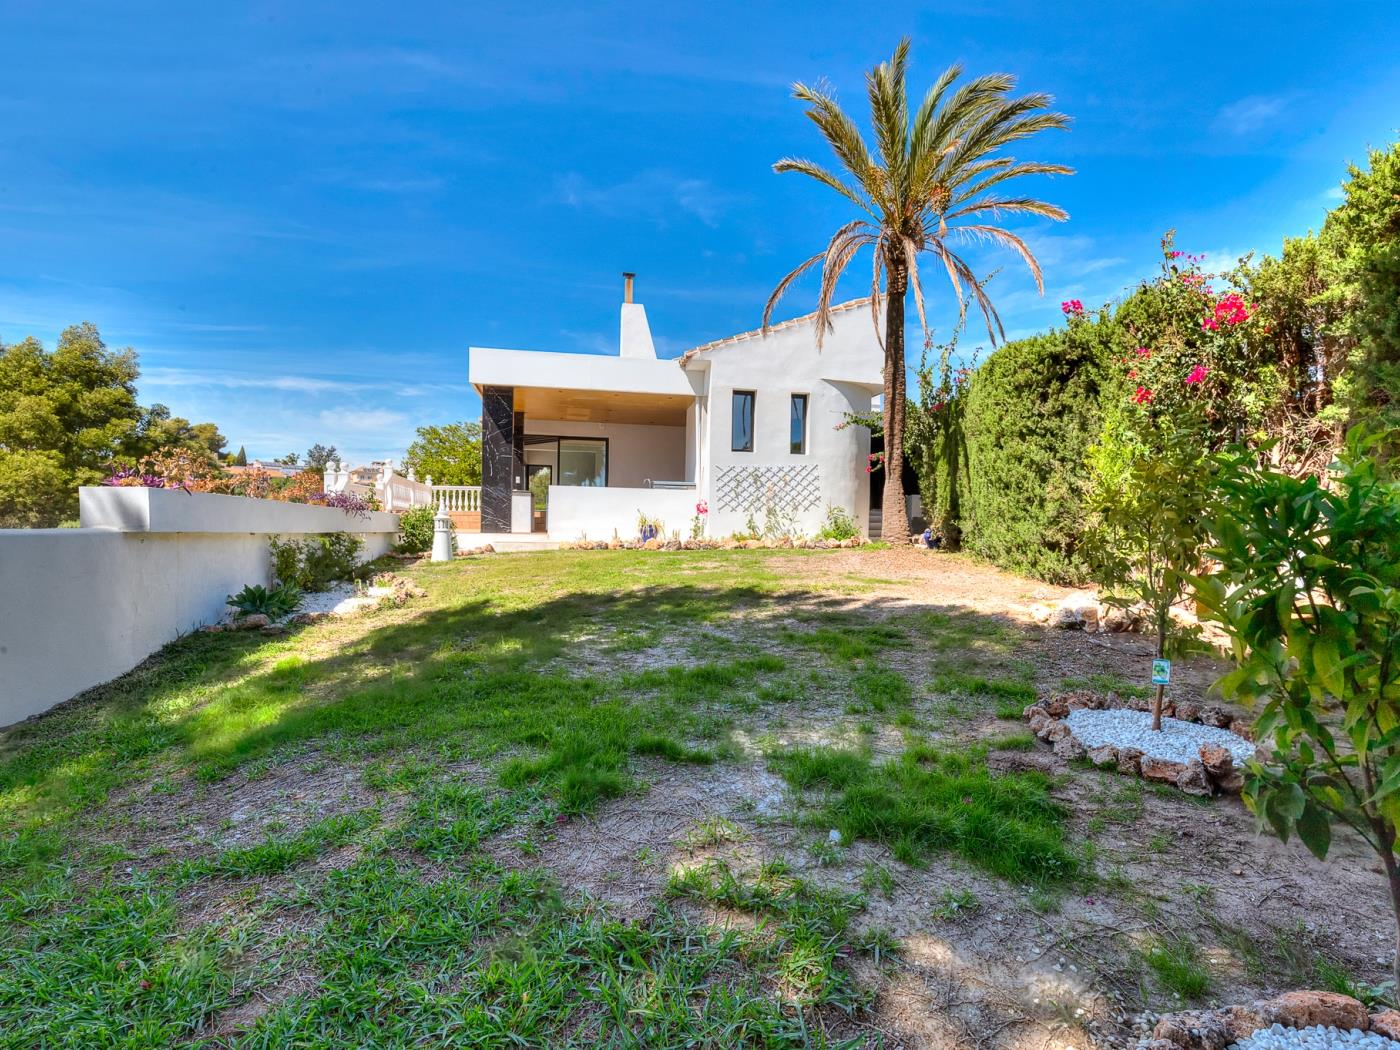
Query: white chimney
x=636, y=333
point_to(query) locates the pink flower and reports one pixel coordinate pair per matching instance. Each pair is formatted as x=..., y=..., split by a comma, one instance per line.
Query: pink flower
x=1198, y=375
x=1072, y=308
x=1142, y=351
x=703, y=507
x=1142, y=396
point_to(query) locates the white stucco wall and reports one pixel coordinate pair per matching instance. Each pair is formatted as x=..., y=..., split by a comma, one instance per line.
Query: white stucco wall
x=636, y=453
x=597, y=513
x=78, y=607
x=842, y=377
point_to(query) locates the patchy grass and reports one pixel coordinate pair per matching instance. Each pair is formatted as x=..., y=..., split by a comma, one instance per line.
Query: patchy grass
x=1177, y=964
x=363, y=833
x=929, y=799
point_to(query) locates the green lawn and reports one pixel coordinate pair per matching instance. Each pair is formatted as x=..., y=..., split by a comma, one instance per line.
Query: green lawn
x=369, y=832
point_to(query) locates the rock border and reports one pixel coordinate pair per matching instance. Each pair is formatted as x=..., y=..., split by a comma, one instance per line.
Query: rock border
x=1218, y=1028
x=401, y=591
x=1214, y=771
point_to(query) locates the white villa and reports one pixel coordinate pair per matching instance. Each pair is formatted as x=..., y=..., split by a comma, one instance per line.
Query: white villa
x=746, y=424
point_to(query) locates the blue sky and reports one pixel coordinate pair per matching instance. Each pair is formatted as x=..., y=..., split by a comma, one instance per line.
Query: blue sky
x=301, y=215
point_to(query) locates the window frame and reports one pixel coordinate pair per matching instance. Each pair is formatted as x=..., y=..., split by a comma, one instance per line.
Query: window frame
x=806, y=400
x=734, y=396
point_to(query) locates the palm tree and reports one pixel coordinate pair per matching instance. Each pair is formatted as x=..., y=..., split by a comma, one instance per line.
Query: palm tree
x=928, y=188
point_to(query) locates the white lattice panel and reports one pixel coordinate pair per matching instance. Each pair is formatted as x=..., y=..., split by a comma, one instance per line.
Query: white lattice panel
x=751, y=489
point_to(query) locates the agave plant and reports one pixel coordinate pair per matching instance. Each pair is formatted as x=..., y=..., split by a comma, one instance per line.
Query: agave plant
x=927, y=188
x=269, y=601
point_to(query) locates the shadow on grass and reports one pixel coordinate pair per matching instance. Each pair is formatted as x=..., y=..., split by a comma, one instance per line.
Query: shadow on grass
x=486, y=675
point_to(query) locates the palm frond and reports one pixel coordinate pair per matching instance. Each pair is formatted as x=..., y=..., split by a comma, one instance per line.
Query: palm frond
x=826, y=178
x=889, y=114
x=841, y=134
x=1010, y=206
x=784, y=285
x=1007, y=239
x=1002, y=169
x=837, y=257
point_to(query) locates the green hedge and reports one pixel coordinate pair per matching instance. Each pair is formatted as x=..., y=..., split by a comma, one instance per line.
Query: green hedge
x=1033, y=410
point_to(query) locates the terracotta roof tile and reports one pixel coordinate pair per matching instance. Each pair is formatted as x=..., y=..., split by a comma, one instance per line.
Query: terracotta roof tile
x=850, y=304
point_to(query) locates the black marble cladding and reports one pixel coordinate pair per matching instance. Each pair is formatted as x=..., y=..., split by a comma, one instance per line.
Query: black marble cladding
x=498, y=456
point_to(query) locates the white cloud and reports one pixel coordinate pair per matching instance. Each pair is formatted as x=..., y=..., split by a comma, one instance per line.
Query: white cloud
x=1251, y=112
x=657, y=194
x=362, y=421
x=182, y=377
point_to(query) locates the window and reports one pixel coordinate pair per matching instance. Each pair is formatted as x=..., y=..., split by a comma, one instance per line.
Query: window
x=583, y=461
x=797, y=440
x=741, y=422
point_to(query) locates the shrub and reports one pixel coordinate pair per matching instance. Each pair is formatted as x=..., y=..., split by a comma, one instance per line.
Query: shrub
x=1033, y=410
x=1309, y=591
x=416, y=530
x=270, y=601
x=839, y=525
x=313, y=564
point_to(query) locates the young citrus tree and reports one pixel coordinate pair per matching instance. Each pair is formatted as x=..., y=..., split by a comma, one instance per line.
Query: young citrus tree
x=1309, y=591
x=1146, y=537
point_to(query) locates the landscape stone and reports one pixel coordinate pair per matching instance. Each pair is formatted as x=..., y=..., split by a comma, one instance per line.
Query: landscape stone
x=1104, y=756
x=251, y=622
x=1161, y=770
x=1387, y=1023
x=1067, y=747
x=1193, y=779
x=1130, y=761
x=1215, y=715
x=1188, y=712
x=1217, y=761
x=1305, y=1009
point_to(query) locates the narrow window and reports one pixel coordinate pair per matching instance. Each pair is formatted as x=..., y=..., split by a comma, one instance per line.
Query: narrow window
x=798, y=437
x=741, y=422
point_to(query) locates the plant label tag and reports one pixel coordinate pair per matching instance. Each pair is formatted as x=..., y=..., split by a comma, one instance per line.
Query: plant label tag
x=1161, y=672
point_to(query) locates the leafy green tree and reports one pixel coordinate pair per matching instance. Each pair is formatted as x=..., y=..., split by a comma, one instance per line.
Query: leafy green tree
x=1146, y=536
x=450, y=455
x=927, y=187
x=291, y=459
x=158, y=429
x=34, y=489
x=1309, y=591
x=1360, y=240
x=318, y=456
x=64, y=415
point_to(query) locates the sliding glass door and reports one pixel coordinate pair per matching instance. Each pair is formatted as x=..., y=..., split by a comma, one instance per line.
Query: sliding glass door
x=583, y=461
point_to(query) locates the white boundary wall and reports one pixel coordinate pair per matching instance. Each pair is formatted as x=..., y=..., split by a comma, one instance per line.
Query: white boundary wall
x=79, y=607
x=576, y=512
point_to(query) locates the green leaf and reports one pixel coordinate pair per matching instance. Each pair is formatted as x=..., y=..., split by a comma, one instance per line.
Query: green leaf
x=1328, y=665
x=1315, y=829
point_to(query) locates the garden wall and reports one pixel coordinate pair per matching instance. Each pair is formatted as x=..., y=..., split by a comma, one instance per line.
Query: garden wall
x=79, y=607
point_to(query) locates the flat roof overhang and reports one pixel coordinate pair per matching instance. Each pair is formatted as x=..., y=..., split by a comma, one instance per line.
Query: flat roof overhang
x=623, y=375
x=602, y=406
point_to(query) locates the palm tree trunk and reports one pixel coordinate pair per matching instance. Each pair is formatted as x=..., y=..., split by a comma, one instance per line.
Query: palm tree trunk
x=894, y=515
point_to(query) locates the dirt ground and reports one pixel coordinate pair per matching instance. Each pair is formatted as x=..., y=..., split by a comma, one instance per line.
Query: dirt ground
x=1017, y=969
x=1015, y=972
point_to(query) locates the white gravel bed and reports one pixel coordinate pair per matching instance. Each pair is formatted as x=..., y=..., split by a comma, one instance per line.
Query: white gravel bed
x=341, y=598
x=1177, y=741
x=1314, y=1038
